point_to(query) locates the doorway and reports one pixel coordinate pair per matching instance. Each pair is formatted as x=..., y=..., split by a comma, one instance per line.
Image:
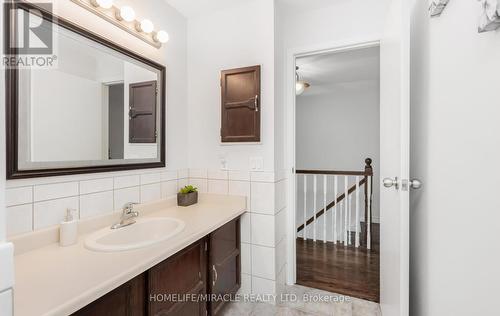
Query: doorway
x=337, y=159
x=115, y=121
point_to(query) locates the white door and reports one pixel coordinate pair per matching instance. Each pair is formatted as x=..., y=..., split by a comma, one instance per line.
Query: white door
x=394, y=158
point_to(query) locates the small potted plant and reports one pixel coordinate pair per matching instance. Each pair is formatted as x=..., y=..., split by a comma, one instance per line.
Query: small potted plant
x=188, y=195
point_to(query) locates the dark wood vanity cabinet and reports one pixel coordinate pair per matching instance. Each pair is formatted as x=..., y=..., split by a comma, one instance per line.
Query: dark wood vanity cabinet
x=181, y=284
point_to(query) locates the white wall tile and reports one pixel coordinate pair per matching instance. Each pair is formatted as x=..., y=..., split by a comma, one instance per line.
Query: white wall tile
x=239, y=188
x=246, y=284
x=19, y=219
x=182, y=173
x=168, y=188
x=259, y=176
x=96, y=204
x=218, y=186
x=280, y=256
x=218, y=174
x=149, y=178
x=6, y=266
x=16, y=196
x=201, y=184
x=53, y=212
x=263, y=262
x=55, y=191
x=6, y=303
x=280, y=225
x=280, y=195
x=263, y=232
x=126, y=181
x=198, y=173
x=246, y=258
x=169, y=175
x=239, y=175
x=150, y=192
x=262, y=198
x=262, y=286
x=97, y=185
x=123, y=196
x=245, y=228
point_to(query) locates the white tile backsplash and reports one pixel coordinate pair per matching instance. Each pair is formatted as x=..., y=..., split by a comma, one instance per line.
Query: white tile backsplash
x=262, y=286
x=53, y=212
x=169, y=175
x=127, y=181
x=19, y=219
x=150, y=192
x=246, y=284
x=217, y=174
x=123, y=196
x=198, y=173
x=149, y=178
x=182, y=182
x=55, y=191
x=263, y=262
x=258, y=176
x=262, y=198
x=201, y=184
x=96, y=204
x=263, y=229
x=169, y=188
x=246, y=258
x=217, y=186
x=245, y=228
x=96, y=185
x=6, y=266
x=239, y=175
x=16, y=196
x=183, y=173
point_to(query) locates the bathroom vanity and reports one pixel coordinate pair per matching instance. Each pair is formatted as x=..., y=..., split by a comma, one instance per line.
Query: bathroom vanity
x=162, y=279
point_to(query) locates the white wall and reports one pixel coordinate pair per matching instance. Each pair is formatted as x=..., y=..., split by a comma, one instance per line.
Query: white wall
x=455, y=137
x=338, y=130
x=235, y=37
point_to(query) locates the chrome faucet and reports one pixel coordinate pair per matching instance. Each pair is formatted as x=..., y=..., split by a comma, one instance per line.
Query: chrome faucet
x=127, y=216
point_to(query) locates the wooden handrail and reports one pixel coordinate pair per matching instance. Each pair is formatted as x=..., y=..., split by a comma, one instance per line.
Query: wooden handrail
x=332, y=204
x=367, y=172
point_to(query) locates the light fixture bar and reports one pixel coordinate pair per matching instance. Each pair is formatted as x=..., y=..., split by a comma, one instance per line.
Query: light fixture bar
x=110, y=16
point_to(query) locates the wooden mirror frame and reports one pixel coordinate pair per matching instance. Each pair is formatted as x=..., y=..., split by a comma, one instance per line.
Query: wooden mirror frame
x=12, y=101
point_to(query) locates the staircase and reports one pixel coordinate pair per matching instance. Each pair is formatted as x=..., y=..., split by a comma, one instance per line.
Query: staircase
x=341, y=206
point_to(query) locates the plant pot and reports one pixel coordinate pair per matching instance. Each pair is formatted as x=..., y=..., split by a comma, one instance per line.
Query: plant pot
x=186, y=199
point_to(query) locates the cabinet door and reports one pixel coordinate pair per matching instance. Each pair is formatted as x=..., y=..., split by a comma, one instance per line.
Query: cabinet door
x=126, y=300
x=184, y=273
x=224, y=263
x=240, y=89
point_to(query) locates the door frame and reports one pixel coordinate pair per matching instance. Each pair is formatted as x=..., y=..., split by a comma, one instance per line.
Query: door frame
x=290, y=98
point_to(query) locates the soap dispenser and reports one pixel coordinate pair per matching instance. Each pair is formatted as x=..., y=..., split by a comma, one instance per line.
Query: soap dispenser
x=68, y=232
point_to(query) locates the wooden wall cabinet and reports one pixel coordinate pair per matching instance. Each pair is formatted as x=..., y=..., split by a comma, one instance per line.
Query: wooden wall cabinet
x=241, y=105
x=212, y=265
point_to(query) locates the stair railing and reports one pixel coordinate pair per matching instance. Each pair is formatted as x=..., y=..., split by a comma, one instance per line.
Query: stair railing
x=341, y=208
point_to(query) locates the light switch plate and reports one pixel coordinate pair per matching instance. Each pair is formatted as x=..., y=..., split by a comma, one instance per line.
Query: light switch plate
x=6, y=266
x=256, y=163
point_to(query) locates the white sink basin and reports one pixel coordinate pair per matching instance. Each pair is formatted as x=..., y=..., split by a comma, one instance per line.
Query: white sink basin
x=145, y=232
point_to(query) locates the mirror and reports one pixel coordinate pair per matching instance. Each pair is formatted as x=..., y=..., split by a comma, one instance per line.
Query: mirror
x=99, y=107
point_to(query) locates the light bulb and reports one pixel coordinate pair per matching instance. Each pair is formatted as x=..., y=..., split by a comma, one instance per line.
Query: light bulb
x=161, y=37
x=299, y=88
x=126, y=13
x=146, y=26
x=105, y=4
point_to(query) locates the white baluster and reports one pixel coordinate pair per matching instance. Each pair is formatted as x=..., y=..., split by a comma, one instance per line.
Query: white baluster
x=305, y=207
x=341, y=223
x=368, y=220
x=346, y=206
x=357, y=213
x=334, y=214
x=324, y=208
x=349, y=220
x=314, y=207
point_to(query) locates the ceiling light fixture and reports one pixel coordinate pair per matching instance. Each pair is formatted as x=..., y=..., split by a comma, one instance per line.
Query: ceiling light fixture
x=300, y=85
x=125, y=13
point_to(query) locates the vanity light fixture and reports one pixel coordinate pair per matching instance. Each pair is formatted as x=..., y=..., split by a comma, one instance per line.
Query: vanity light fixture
x=125, y=13
x=125, y=18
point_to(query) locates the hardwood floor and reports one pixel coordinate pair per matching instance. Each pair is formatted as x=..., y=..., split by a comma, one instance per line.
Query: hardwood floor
x=344, y=270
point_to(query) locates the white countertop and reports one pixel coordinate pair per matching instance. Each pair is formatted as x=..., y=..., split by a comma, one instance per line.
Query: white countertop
x=54, y=280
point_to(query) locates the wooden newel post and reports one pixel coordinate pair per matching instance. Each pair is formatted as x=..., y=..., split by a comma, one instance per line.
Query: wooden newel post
x=368, y=173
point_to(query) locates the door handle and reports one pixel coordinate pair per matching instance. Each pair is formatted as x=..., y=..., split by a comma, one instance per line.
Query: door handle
x=415, y=184
x=256, y=103
x=389, y=182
